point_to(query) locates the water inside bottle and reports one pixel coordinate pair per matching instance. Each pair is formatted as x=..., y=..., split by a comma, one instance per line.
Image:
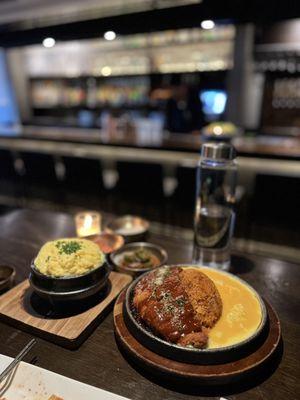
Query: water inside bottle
x=213, y=231
x=214, y=214
x=213, y=226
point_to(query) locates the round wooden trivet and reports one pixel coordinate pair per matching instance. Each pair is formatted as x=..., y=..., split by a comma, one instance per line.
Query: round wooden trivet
x=198, y=374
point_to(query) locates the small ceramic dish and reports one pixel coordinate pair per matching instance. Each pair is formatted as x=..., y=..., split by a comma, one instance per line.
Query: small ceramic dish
x=131, y=227
x=117, y=256
x=107, y=242
x=7, y=275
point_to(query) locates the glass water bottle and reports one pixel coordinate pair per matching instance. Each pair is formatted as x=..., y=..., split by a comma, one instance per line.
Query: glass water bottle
x=214, y=214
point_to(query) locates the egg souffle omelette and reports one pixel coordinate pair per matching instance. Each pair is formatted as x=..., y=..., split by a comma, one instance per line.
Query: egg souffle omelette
x=68, y=257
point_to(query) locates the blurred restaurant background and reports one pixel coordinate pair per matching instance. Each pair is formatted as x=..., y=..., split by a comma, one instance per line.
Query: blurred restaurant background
x=105, y=104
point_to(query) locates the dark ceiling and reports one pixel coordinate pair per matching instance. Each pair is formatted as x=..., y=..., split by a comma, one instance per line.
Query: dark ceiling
x=238, y=11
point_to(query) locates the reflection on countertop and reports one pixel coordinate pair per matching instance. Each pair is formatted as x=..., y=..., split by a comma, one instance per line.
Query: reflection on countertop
x=258, y=146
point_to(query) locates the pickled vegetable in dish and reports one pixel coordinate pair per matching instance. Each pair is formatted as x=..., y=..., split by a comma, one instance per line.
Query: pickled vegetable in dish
x=178, y=304
x=139, y=259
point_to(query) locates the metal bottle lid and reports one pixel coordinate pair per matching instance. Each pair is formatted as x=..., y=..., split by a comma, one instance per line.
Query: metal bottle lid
x=218, y=151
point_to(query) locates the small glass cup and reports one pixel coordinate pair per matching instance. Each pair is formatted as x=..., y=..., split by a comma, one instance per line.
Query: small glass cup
x=88, y=223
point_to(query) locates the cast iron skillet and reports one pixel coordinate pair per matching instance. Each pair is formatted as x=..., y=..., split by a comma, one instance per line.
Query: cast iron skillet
x=188, y=354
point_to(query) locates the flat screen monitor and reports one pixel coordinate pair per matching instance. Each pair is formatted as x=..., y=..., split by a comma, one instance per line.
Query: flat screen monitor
x=214, y=102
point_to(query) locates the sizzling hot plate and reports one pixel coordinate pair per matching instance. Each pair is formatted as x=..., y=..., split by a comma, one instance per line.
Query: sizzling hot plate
x=188, y=354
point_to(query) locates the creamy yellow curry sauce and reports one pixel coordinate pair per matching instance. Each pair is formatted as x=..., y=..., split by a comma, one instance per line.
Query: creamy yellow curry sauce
x=241, y=314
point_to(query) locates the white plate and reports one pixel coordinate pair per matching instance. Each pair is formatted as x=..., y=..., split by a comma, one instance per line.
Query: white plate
x=33, y=383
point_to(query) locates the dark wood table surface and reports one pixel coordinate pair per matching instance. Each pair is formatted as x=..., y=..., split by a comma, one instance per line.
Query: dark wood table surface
x=99, y=362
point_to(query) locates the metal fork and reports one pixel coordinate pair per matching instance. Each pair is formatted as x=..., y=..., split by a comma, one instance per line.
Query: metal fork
x=18, y=358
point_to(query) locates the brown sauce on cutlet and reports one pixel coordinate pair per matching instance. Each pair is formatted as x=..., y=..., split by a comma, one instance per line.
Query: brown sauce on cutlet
x=166, y=307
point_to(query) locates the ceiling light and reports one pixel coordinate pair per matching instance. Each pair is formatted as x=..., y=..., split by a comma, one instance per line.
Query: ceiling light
x=106, y=71
x=110, y=35
x=217, y=130
x=49, y=42
x=207, y=24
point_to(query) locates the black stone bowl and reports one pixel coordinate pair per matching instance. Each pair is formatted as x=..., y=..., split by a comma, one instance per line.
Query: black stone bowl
x=188, y=354
x=69, y=288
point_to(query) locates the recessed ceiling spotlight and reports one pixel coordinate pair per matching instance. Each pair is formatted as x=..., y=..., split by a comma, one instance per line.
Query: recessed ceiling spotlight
x=106, y=71
x=207, y=24
x=110, y=35
x=49, y=42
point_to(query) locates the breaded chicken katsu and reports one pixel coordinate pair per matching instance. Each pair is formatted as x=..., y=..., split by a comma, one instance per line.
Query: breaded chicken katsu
x=178, y=304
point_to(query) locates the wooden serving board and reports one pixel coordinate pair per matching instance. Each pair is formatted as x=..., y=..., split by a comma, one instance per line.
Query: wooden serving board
x=68, y=327
x=220, y=374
